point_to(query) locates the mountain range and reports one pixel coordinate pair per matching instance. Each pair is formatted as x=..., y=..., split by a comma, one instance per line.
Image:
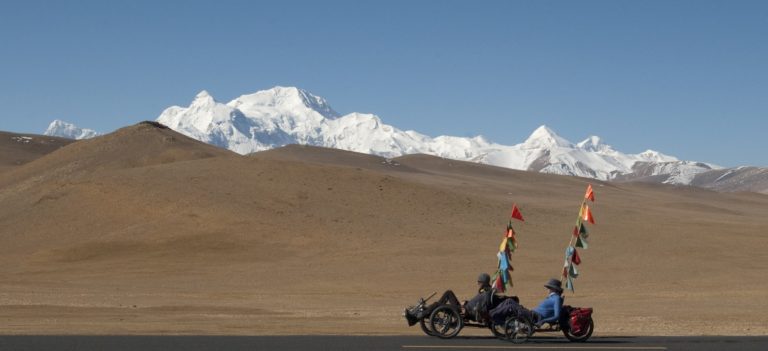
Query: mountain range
x=281, y=116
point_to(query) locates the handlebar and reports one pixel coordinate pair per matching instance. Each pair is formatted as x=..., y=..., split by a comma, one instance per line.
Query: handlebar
x=427, y=299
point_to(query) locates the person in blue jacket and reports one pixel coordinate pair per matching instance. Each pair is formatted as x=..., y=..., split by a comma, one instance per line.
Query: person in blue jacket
x=548, y=310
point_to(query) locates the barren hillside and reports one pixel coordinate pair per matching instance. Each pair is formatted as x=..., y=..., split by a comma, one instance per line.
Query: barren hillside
x=147, y=231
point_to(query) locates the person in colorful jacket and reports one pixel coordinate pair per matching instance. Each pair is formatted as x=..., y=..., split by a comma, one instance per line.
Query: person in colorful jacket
x=548, y=310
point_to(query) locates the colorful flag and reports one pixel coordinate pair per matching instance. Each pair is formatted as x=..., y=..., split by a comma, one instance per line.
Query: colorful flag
x=590, y=195
x=516, y=213
x=582, y=242
x=569, y=284
x=575, y=257
x=583, y=231
x=499, y=283
x=503, y=263
x=588, y=215
x=573, y=273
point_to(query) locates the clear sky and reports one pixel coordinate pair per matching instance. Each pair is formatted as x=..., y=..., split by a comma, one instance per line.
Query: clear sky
x=687, y=78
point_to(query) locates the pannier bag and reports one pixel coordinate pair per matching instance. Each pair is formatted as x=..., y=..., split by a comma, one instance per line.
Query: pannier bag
x=579, y=320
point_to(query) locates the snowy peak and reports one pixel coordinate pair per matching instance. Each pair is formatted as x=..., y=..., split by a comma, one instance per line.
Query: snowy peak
x=655, y=156
x=203, y=116
x=593, y=143
x=284, y=98
x=544, y=137
x=203, y=98
x=63, y=129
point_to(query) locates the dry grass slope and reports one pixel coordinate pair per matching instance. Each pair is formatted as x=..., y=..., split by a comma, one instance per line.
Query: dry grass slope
x=18, y=149
x=147, y=231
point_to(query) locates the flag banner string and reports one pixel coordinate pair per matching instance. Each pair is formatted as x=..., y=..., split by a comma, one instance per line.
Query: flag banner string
x=578, y=240
x=503, y=277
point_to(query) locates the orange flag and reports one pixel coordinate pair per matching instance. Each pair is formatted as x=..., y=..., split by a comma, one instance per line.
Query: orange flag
x=588, y=215
x=516, y=213
x=590, y=195
x=510, y=233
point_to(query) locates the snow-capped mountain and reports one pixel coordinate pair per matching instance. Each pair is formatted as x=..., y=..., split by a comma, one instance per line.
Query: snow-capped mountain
x=63, y=129
x=287, y=115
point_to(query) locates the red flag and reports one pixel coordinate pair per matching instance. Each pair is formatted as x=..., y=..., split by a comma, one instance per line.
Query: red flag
x=575, y=231
x=576, y=259
x=590, y=195
x=588, y=215
x=499, y=284
x=516, y=213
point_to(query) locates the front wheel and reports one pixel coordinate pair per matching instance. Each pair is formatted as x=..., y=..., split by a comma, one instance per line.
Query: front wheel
x=583, y=335
x=426, y=325
x=497, y=330
x=518, y=330
x=446, y=322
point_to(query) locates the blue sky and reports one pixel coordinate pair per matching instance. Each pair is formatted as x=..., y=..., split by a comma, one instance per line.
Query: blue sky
x=688, y=78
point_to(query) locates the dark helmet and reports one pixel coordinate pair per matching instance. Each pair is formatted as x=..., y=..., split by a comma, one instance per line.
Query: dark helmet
x=484, y=278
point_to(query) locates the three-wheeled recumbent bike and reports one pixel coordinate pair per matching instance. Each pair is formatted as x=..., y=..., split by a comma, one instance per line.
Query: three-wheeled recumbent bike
x=445, y=320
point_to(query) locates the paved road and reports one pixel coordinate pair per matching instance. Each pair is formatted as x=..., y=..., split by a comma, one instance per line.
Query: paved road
x=373, y=343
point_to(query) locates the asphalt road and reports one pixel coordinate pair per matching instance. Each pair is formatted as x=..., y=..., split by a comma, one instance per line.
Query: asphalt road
x=373, y=343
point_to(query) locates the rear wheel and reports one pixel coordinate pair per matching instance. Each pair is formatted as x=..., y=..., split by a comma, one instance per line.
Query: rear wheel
x=583, y=336
x=446, y=322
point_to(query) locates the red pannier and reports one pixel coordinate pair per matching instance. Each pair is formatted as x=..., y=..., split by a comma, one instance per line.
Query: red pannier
x=579, y=320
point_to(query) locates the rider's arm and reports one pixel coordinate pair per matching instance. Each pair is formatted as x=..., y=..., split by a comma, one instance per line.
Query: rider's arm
x=555, y=301
x=558, y=307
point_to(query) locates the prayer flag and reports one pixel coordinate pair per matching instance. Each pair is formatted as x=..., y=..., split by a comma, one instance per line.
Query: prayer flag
x=576, y=259
x=569, y=284
x=582, y=242
x=503, y=263
x=590, y=195
x=583, y=230
x=573, y=272
x=516, y=213
x=588, y=215
x=498, y=284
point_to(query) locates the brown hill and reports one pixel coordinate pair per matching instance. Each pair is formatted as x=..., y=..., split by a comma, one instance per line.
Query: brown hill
x=18, y=149
x=146, y=231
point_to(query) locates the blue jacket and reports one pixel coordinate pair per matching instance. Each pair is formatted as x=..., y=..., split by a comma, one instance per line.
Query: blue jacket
x=549, y=309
